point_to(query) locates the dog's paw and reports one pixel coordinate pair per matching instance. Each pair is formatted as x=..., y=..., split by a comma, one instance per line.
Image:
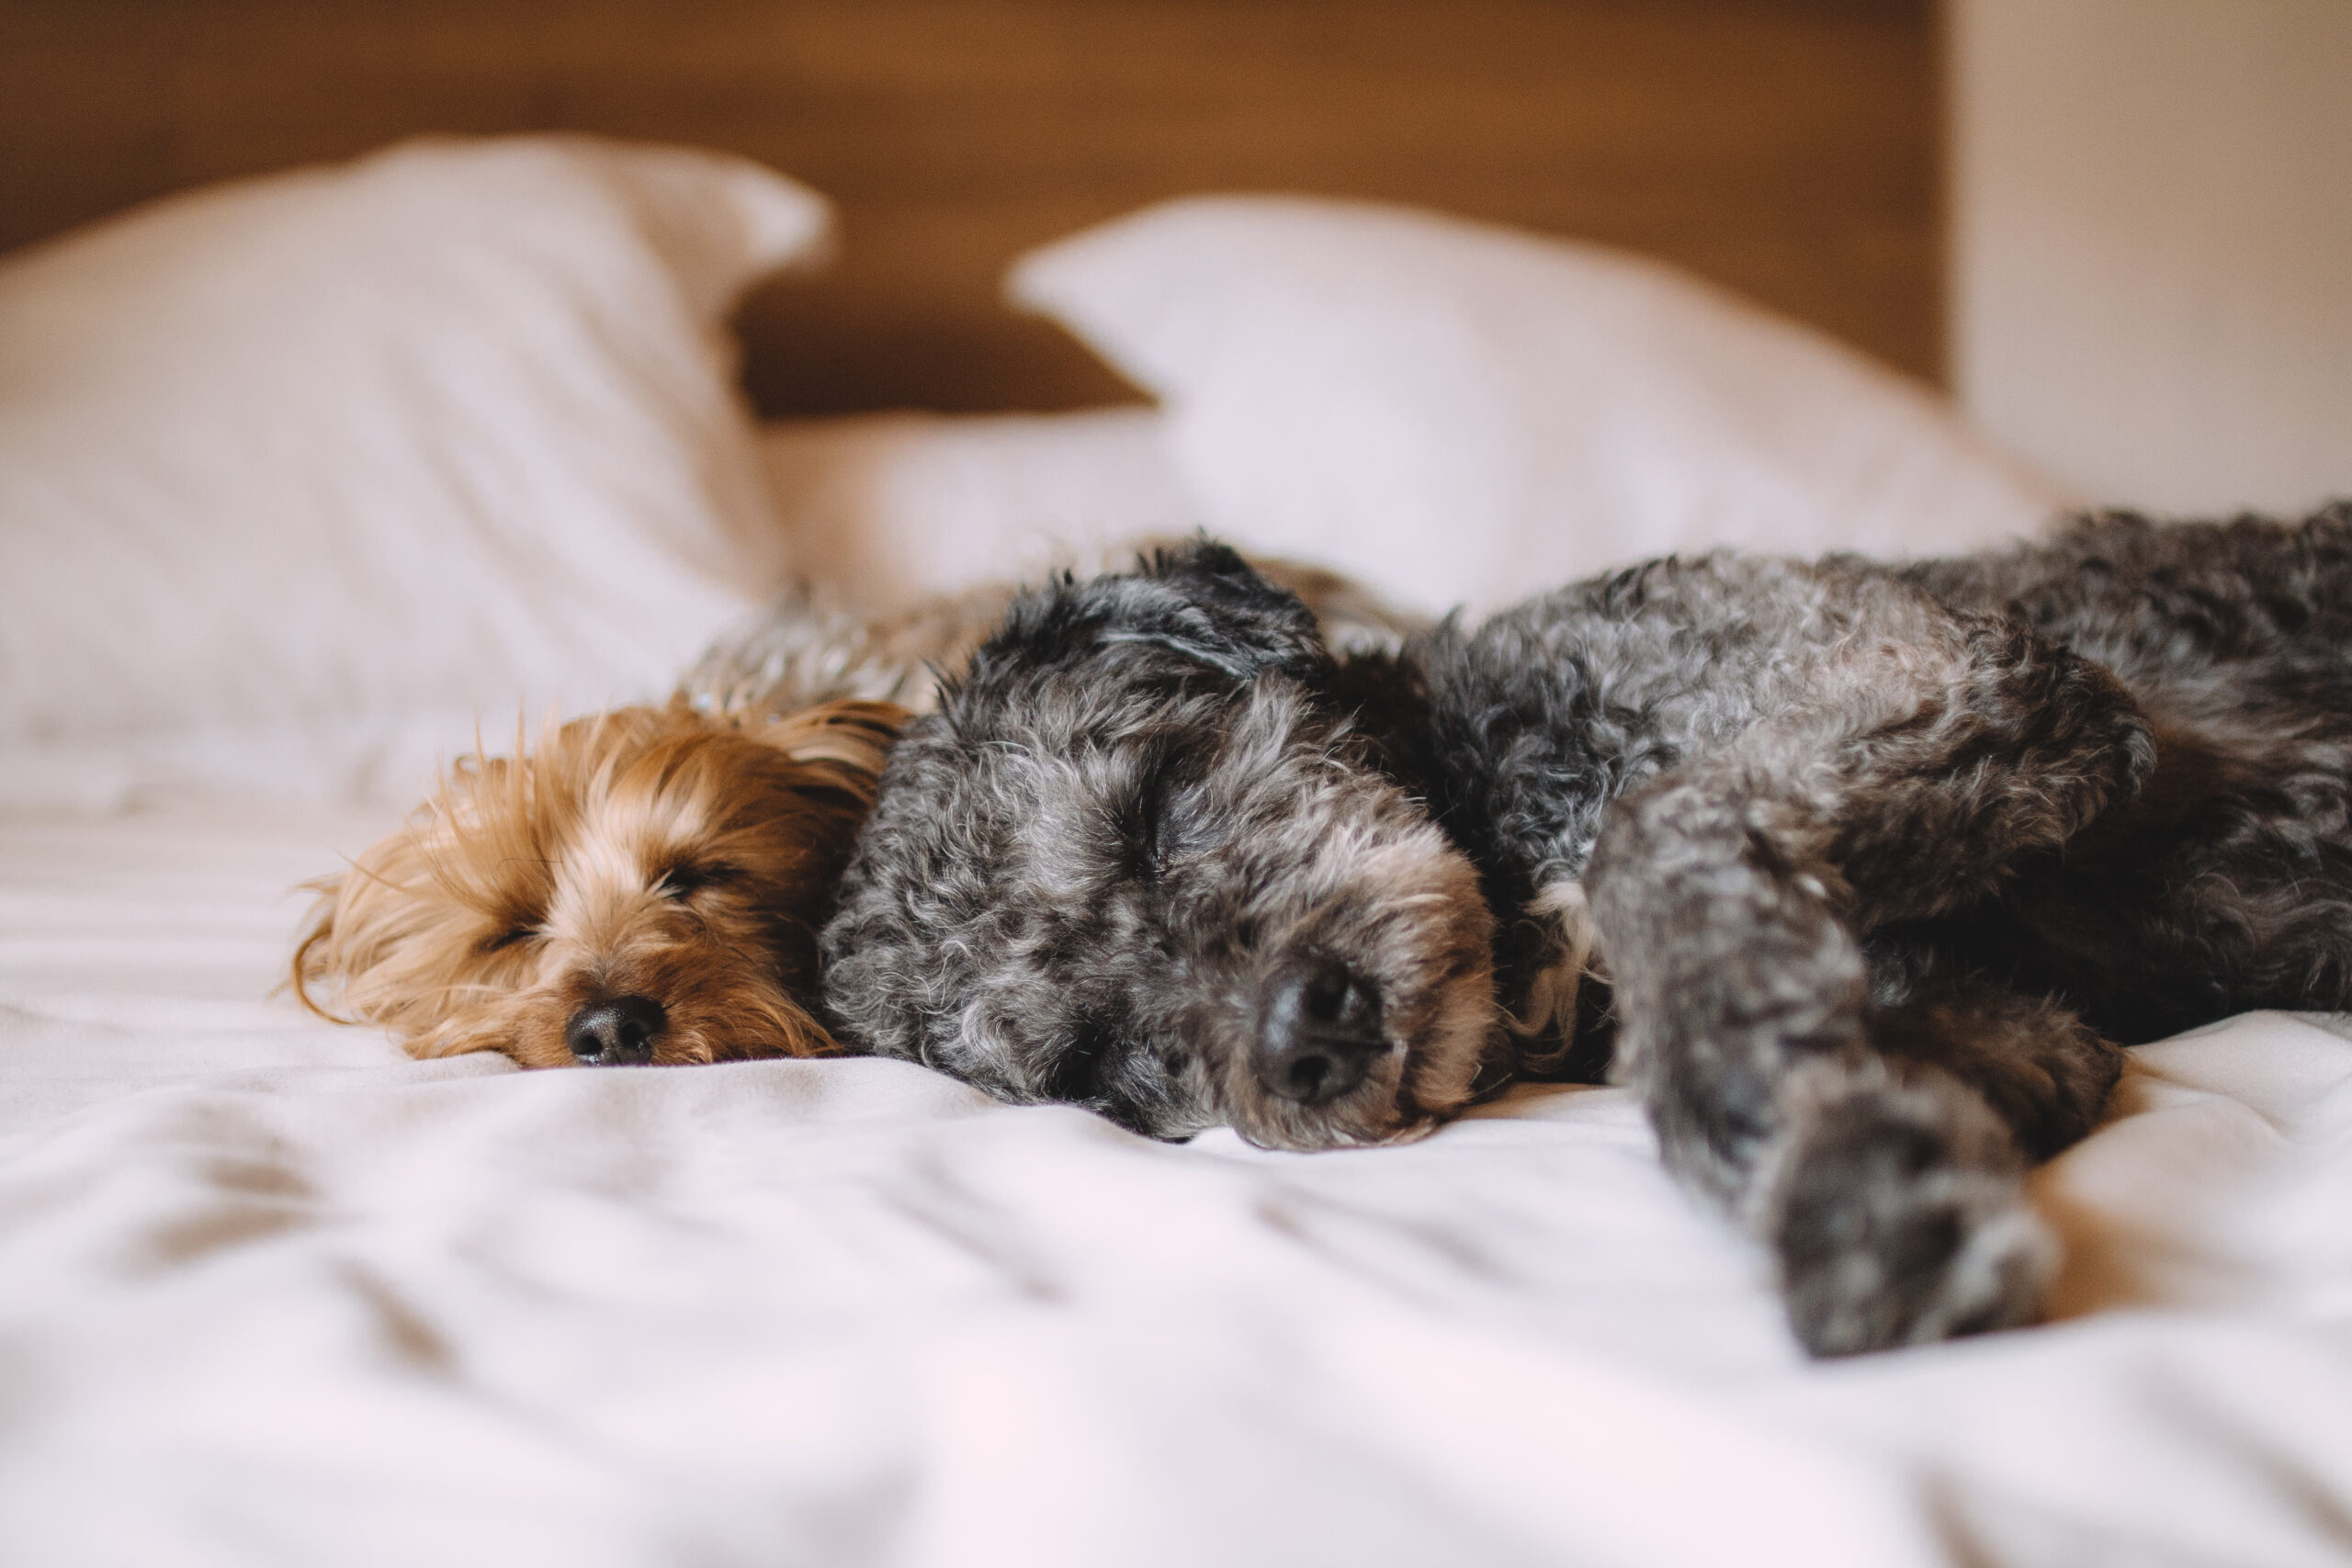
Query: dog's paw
x=1894, y=1229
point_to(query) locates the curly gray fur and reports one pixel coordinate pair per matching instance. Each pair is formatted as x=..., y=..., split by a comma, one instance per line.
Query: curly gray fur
x=813, y=645
x=1858, y=873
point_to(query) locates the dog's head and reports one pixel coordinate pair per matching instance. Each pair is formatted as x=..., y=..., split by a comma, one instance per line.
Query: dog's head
x=1141, y=859
x=642, y=885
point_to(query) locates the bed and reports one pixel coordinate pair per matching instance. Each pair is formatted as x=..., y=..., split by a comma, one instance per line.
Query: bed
x=307, y=480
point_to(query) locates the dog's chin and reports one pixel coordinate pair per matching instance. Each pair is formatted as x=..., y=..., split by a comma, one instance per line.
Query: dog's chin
x=1313, y=1132
x=1387, y=1110
x=743, y=1024
x=1416, y=1088
x=1371, y=1117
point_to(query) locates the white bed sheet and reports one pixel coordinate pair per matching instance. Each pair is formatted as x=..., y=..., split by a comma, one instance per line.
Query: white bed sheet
x=271, y=1294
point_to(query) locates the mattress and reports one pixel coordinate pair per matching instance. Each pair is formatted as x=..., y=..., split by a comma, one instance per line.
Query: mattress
x=271, y=1292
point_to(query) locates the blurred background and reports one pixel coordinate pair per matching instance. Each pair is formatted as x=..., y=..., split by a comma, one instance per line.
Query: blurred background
x=2119, y=230
x=2150, y=250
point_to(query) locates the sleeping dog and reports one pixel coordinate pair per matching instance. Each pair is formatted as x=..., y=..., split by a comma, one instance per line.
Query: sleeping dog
x=645, y=886
x=1860, y=875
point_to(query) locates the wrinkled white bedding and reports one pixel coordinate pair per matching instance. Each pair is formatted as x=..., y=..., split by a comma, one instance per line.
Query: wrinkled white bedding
x=271, y=1293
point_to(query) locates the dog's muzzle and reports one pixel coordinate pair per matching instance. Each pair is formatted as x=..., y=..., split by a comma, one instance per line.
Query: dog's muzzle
x=1318, y=1031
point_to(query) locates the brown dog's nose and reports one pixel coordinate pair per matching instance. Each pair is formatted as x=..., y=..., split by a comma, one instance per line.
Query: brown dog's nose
x=615, y=1030
x=1318, y=1031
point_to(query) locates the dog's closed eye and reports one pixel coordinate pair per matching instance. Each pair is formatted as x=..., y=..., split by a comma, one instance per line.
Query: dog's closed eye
x=1155, y=818
x=1140, y=821
x=513, y=936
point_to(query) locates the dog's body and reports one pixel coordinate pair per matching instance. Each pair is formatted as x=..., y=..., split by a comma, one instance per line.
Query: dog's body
x=1879, y=863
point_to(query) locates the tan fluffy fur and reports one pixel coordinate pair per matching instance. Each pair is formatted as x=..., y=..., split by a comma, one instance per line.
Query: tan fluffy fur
x=654, y=852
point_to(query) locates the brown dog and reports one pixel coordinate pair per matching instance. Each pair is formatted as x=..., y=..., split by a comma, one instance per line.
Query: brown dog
x=642, y=885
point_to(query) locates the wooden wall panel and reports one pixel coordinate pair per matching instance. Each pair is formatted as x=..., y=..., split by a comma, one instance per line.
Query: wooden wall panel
x=1788, y=148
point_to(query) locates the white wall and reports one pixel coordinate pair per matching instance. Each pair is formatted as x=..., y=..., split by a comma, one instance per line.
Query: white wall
x=2152, y=232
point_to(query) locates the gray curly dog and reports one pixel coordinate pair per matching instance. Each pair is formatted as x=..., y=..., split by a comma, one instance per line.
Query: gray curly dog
x=1858, y=874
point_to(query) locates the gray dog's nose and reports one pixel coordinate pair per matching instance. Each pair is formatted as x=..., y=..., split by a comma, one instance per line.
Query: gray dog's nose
x=1318, y=1031
x=615, y=1031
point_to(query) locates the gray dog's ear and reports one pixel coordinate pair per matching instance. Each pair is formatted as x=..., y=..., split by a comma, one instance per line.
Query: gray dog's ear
x=1200, y=602
x=1204, y=601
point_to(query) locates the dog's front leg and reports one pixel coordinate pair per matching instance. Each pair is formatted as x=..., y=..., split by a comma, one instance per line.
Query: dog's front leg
x=1890, y=1191
x=1993, y=746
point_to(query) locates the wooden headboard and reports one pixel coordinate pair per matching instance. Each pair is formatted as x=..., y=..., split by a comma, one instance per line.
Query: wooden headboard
x=1789, y=148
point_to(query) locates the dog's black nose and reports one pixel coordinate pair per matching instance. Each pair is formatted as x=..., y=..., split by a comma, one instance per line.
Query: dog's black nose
x=615, y=1030
x=1318, y=1031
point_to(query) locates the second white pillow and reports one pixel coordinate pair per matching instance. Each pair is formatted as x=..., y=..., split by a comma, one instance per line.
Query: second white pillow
x=1456, y=413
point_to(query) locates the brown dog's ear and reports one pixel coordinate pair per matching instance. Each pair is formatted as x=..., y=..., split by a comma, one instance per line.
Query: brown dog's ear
x=309, y=962
x=849, y=740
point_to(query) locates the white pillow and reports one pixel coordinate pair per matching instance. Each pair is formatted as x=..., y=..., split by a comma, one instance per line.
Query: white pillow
x=887, y=508
x=1457, y=413
x=428, y=434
